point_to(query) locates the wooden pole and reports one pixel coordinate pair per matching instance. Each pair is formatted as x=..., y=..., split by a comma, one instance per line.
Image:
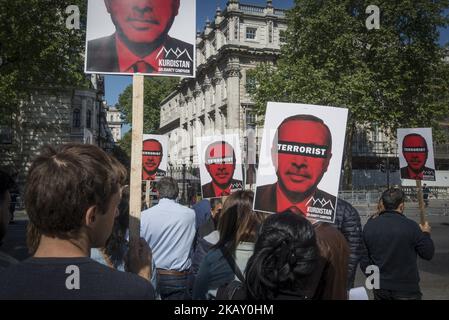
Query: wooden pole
x=147, y=193
x=135, y=194
x=422, y=210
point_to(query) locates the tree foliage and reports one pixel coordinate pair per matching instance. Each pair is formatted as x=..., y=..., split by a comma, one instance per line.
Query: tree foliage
x=155, y=90
x=37, y=49
x=393, y=77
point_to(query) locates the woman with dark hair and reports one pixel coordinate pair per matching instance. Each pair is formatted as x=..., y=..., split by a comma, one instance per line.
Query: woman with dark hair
x=294, y=259
x=286, y=263
x=233, y=245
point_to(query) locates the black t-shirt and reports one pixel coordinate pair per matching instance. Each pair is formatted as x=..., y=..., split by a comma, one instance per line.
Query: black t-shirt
x=59, y=278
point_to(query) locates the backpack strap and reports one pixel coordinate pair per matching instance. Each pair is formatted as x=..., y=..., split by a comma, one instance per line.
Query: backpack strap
x=235, y=268
x=234, y=290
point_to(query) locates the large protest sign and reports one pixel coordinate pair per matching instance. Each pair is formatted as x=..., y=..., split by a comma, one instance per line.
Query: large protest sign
x=300, y=160
x=154, y=156
x=153, y=37
x=416, y=157
x=220, y=165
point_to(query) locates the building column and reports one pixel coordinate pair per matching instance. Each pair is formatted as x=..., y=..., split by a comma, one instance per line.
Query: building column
x=233, y=96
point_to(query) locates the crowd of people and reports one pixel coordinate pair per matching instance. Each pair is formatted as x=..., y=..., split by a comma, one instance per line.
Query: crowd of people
x=77, y=204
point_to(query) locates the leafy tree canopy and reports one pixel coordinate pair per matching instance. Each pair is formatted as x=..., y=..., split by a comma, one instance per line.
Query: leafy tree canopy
x=37, y=49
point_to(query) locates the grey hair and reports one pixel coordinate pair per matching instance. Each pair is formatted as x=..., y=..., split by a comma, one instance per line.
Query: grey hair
x=168, y=188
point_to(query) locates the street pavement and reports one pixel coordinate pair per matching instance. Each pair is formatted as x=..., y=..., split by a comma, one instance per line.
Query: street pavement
x=434, y=274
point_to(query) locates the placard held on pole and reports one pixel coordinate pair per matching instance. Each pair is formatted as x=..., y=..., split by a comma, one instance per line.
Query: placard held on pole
x=135, y=201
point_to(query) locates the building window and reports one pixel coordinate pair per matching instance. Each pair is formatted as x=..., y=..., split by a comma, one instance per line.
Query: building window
x=236, y=29
x=251, y=33
x=203, y=52
x=76, y=118
x=270, y=32
x=250, y=82
x=282, y=36
x=250, y=119
x=226, y=34
x=89, y=119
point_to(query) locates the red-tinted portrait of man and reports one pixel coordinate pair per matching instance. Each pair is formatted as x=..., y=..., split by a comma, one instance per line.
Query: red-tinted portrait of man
x=415, y=151
x=152, y=154
x=220, y=163
x=141, y=42
x=301, y=153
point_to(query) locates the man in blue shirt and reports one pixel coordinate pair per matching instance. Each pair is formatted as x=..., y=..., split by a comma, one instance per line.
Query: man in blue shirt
x=393, y=243
x=169, y=229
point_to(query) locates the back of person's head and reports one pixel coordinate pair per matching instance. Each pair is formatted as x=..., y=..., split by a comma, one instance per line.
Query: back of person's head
x=285, y=253
x=168, y=188
x=64, y=182
x=392, y=198
x=238, y=222
x=6, y=184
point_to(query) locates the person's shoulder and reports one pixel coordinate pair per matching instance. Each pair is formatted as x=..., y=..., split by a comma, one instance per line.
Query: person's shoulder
x=126, y=285
x=404, y=171
x=129, y=284
x=100, y=43
x=187, y=212
x=324, y=195
x=325, y=230
x=267, y=188
x=174, y=43
x=6, y=260
x=208, y=190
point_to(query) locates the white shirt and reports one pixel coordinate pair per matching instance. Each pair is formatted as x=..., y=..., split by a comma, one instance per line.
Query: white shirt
x=169, y=229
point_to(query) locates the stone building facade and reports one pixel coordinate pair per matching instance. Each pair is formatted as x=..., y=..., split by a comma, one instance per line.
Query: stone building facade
x=115, y=122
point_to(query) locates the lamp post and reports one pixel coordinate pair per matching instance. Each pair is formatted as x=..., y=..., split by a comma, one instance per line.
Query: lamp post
x=183, y=197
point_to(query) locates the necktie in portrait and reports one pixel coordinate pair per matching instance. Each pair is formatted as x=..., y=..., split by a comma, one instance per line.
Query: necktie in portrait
x=142, y=67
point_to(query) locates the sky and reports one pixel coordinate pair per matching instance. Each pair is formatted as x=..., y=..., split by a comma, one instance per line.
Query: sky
x=114, y=85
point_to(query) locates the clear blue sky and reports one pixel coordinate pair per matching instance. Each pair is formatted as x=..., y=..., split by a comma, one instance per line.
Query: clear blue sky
x=205, y=9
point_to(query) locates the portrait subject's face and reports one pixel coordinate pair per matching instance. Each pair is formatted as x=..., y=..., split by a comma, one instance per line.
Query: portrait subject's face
x=301, y=155
x=415, y=152
x=151, y=156
x=220, y=163
x=142, y=21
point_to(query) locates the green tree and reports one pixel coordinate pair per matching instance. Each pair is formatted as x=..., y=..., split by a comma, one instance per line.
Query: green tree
x=155, y=90
x=37, y=49
x=393, y=76
x=125, y=143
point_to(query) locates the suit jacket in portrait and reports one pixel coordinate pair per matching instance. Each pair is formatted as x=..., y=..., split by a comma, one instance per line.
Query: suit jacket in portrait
x=266, y=199
x=102, y=55
x=209, y=192
x=428, y=174
x=159, y=174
